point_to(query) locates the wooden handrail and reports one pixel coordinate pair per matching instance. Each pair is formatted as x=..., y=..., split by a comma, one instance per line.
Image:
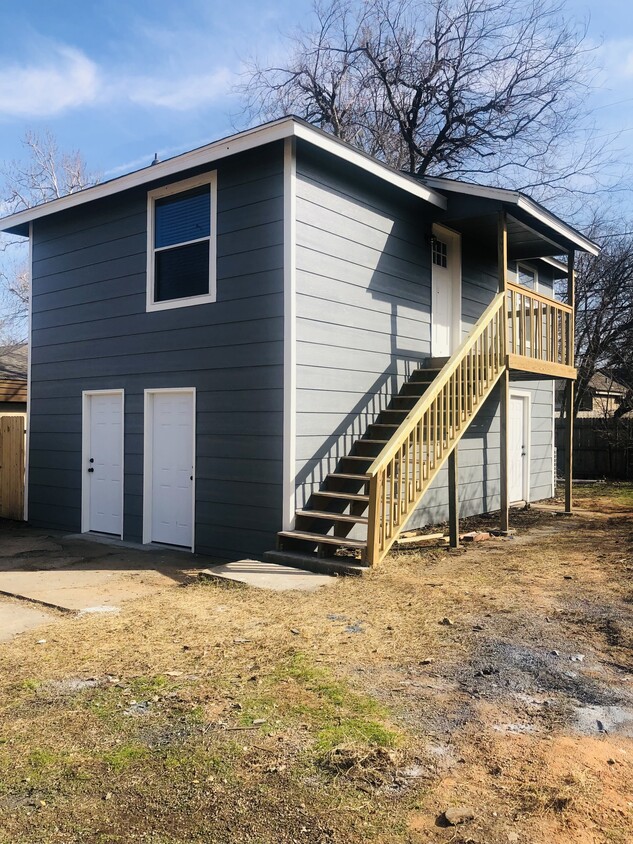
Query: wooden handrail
x=539, y=297
x=405, y=468
x=440, y=381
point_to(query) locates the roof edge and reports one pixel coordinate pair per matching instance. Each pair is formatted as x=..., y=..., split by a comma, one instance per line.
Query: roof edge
x=522, y=201
x=285, y=127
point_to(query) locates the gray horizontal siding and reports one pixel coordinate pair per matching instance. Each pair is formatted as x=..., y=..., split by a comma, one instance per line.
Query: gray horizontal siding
x=479, y=464
x=363, y=307
x=91, y=331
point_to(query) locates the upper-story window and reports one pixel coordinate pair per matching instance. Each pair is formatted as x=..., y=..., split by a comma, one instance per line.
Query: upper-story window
x=527, y=276
x=181, y=243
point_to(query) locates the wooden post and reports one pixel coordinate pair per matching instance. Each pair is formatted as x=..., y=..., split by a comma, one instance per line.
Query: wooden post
x=504, y=456
x=502, y=250
x=504, y=381
x=453, y=498
x=569, y=445
x=372, y=552
x=569, y=389
x=571, y=301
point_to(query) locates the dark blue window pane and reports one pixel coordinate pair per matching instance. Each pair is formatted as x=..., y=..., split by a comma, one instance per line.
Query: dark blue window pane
x=182, y=271
x=182, y=217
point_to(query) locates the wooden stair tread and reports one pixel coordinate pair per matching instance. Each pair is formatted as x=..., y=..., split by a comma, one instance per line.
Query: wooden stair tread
x=333, y=517
x=348, y=476
x=351, y=496
x=323, y=539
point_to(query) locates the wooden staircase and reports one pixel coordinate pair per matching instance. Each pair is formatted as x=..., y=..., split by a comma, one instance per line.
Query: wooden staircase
x=354, y=518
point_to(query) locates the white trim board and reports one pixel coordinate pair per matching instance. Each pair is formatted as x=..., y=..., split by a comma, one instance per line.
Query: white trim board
x=290, y=335
x=286, y=127
x=27, y=444
x=86, y=395
x=521, y=201
x=148, y=420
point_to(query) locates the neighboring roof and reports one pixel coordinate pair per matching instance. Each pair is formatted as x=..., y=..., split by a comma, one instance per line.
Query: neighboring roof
x=604, y=383
x=524, y=203
x=13, y=373
x=286, y=127
x=14, y=362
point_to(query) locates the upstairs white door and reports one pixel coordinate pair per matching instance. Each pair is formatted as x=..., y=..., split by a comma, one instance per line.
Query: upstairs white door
x=171, y=468
x=445, y=292
x=519, y=437
x=103, y=463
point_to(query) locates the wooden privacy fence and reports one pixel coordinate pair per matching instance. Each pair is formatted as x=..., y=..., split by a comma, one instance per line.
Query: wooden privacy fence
x=12, y=454
x=603, y=448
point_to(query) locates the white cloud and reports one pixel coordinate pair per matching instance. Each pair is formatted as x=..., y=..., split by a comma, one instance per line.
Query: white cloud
x=65, y=80
x=68, y=79
x=180, y=94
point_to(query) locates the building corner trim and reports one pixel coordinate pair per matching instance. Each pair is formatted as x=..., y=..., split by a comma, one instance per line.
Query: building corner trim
x=290, y=334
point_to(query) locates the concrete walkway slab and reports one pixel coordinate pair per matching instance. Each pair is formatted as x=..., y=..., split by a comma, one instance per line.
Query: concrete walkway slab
x=268, y=576
x=18, y=618
x=79, y=588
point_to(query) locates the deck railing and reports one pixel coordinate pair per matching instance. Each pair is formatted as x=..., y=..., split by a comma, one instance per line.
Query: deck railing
x=403, y=471
x=539, y=328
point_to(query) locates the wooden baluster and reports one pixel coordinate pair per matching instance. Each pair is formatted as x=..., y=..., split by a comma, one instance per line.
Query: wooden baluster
x=427, y=437
x=523, y=346
x=409, y=456
x=514, y=349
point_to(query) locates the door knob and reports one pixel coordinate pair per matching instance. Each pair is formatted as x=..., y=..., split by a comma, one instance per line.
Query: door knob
x=91, y=469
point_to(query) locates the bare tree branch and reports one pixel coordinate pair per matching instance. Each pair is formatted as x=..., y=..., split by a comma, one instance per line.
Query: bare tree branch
x=473, y=89
x=45, y=173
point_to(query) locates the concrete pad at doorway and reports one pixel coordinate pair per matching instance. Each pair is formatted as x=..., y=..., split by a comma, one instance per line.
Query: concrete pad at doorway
x=268, y=576
x=17, y=617
x=78, y=588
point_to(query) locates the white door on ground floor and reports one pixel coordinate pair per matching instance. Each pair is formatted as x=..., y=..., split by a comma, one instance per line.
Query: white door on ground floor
x=102, y=493
x=519, y=445
x=169, y=467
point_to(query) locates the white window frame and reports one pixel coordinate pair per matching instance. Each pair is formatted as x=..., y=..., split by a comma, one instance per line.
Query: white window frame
x=520, y=265
x=169, y=190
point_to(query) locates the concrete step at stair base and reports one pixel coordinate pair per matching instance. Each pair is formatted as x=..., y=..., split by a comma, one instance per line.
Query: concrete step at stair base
x=320, y=565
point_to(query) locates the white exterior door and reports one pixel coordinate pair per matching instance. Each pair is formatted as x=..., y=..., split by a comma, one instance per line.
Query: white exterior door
x=170, y=465
x=519, y=443
x=445, y=292
x=102, y=506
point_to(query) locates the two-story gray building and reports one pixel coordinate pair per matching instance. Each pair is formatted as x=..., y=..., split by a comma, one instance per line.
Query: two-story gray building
x=277, y=334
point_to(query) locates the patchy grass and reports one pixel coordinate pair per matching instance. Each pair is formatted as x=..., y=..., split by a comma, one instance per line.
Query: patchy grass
x=202, y=715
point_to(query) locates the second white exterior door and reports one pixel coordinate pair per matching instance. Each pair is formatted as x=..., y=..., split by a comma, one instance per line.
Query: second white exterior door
x=519, y=441
x=169, y=467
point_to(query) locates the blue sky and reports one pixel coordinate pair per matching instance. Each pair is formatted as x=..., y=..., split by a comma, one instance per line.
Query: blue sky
x=122, y=79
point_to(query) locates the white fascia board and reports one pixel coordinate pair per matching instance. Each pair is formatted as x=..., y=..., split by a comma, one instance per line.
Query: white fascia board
x=348, y=153
x=554, y=262
x=286, y=127
x=521, y=201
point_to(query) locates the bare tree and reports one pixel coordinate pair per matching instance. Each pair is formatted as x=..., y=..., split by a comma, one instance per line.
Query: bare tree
x=604, y=313
x=45, y=173
x=471, y=89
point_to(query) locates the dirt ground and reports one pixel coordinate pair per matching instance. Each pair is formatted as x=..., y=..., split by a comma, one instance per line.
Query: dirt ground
x=498, y=679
